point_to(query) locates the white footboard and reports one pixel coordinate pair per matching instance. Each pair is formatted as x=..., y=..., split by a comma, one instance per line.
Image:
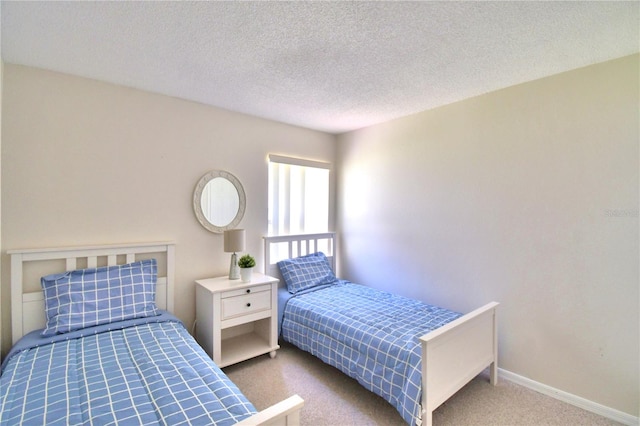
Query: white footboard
x=454, y=354
x=285, y=413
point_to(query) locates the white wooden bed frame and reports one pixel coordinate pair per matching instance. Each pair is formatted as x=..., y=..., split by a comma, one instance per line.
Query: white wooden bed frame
x=452, y=355
x=27, y=307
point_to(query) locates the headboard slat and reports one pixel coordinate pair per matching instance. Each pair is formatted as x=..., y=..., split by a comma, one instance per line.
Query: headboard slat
x=71, y=263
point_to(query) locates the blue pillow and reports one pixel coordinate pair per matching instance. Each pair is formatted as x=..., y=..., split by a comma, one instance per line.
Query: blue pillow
x=88, y=297
x=304, y=272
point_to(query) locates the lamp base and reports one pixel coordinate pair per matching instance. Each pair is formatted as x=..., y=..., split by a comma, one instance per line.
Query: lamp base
x=234, y=269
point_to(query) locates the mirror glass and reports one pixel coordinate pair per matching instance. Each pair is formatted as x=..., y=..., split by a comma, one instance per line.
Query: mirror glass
x=219, y=201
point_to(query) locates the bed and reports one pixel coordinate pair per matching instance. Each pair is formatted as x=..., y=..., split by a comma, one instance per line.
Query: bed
x=412, y=354
x=97, y=344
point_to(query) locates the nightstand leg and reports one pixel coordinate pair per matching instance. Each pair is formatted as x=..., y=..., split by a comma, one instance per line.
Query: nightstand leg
x=272, y=354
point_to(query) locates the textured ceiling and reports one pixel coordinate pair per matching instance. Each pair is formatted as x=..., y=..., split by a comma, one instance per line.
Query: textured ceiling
x=331, y=66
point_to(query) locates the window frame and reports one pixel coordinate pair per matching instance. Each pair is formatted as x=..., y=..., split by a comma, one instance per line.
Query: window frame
x=273, y=211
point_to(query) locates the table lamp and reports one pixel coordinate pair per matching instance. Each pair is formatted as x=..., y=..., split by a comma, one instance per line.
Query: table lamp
x=233, y=243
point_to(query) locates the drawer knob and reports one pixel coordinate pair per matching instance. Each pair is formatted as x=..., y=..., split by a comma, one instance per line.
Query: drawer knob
x=248, y=305
x=248, y=290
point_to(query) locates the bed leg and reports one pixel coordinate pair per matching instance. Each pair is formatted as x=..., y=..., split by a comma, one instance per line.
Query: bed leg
x=493, y=368
x=427, y=418
x=493, y=374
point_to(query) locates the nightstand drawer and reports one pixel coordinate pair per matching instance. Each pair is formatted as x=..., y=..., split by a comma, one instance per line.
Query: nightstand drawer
x=243, y=291
x=245, y=304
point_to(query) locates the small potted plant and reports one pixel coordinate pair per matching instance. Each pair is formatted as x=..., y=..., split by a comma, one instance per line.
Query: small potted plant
x=246, y=264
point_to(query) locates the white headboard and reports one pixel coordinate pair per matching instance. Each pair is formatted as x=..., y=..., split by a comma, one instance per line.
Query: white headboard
x=27, y=307
x=289, y=246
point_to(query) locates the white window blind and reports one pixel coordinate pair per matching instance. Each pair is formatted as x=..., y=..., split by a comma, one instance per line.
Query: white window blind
x=298, y=196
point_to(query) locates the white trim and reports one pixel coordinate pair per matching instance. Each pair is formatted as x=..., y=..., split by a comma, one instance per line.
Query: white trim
x=274, y=158
x=585, y=404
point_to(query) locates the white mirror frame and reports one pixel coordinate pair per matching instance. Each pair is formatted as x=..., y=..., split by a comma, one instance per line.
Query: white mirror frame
x=197, y=201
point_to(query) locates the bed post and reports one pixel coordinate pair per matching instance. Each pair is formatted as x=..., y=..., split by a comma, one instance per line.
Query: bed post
x=171, y=271
x=493, y=368
x=16, y=298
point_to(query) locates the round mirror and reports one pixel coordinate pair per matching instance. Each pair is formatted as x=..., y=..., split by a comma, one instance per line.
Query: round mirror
x=219, y=201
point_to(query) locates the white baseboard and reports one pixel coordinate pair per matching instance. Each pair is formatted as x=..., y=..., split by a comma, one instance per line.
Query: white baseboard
x=585, y=404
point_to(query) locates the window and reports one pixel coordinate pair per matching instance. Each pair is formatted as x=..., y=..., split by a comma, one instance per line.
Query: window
x=298, y=196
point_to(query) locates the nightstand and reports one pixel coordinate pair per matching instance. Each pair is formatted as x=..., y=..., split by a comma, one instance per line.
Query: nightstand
x=235, y=320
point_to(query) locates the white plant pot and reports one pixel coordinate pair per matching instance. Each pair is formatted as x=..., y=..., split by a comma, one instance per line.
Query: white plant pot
x=245, y=274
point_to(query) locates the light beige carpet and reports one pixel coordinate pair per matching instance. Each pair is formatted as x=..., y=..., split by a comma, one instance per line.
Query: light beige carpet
x=332, y=398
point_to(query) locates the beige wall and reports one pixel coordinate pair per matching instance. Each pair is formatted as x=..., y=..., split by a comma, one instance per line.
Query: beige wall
x=1, y=70
x=527, y=196
x=1, y=78
x=85, y=162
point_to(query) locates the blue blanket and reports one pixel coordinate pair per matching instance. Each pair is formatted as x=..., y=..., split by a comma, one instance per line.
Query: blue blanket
x=371, y=335
x=141, y=372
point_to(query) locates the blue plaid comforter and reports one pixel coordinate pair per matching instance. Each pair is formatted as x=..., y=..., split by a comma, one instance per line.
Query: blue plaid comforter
x=368, y=334
x=150, y=373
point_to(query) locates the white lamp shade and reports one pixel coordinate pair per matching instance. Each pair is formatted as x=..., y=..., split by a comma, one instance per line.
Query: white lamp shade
x=234, y=240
